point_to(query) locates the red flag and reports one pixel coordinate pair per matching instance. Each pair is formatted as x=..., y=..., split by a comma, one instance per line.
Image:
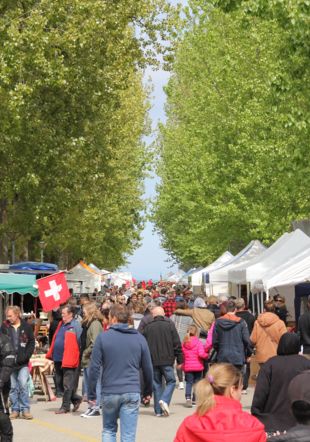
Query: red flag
x=53, y=291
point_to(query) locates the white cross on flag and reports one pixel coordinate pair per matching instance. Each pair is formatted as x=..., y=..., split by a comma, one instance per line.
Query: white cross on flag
x=53, y=291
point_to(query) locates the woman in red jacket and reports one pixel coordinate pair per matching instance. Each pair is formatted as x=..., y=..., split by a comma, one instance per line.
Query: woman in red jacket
x=219, y=416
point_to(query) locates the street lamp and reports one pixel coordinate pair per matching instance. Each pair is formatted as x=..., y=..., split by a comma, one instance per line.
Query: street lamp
x=42, y=245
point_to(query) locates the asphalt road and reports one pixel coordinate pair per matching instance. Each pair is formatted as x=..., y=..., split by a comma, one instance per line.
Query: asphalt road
x=48, y=427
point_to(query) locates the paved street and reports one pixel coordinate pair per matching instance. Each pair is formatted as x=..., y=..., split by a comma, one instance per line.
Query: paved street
x=48, y=427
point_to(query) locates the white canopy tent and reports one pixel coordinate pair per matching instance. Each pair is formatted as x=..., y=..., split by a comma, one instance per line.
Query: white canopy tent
x=197, y=277
x=291, y=273
x=239, y=275
x=253, y=249
x=295, y=243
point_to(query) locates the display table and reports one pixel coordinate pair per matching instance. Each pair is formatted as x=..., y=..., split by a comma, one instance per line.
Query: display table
x=41, y=368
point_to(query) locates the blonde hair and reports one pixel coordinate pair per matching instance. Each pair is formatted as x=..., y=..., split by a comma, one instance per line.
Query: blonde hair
x=15, y=309
x=219, y=378
x=191, y=331
x=91, y=312
x=212, y=299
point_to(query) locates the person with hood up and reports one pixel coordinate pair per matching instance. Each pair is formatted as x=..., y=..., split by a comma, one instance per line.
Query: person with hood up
x=118, y=355
x=270, y=402
x=219, y=415
x=193, y=354
x=231, y=338
x=266, y=334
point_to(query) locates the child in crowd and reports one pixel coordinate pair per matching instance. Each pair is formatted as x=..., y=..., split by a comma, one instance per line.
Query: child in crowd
x=219, y=415
x=193, y=365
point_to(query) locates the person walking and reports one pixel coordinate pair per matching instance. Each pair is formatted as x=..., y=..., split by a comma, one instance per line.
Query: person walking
x=92, y=326
x=165, y=347
x=200, y=314
x=7, y=362
x=270, y=402
x=231, y=338
x=219, y=415
x=193, y=354
x=65, y=353
x=23, y=342
x=118, y=354
x=266, y=334
x=304, y=330
x=181, y=324
x=247, y=316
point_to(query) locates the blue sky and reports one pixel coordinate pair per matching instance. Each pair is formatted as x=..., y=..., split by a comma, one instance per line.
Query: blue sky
x=150, y=260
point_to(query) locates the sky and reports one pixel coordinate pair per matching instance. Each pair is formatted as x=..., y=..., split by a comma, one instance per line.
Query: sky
x=150, y=260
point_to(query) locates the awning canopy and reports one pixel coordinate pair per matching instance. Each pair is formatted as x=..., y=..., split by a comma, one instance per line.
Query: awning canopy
x=16, y=283
x=34, y=267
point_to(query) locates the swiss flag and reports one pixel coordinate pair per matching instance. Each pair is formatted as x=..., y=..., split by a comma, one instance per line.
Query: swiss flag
x=53, y=291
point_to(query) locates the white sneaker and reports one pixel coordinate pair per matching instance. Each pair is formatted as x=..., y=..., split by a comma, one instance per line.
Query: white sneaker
x=189, y=403
x=89, y=410
x=181, y=385
x=164, y=407
x=93, y=413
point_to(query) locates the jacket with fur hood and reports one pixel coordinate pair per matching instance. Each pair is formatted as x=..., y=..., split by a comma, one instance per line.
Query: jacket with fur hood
x=193, y=353
x=266, y=334
x=226, y=422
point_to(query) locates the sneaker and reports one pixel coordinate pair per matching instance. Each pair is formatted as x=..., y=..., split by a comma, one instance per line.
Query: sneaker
x=164, y=406
x=158, y=414
x=181, y=385
x=14, y=415
x=89, y=409
x=26, y=415
x=93, y=413
x=189, y=403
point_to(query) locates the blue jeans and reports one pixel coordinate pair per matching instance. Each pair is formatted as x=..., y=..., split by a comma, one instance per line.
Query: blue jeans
x=124, y=407
x=19, y=394
x=98, y=387
x=161, y=391
x=191, y=377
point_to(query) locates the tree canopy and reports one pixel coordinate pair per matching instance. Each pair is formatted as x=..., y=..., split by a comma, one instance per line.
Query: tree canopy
x=72, y=116
x=234, y=151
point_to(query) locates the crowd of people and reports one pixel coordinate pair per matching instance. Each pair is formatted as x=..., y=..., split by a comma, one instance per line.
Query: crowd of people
x=136, y=345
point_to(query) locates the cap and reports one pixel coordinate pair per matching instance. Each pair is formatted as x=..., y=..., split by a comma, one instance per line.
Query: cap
x=299, y=388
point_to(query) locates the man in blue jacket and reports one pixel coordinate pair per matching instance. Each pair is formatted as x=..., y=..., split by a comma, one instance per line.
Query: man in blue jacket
x=120, y=352
x=231, y=338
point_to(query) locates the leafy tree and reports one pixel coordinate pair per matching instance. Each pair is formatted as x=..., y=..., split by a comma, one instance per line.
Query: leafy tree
x=72, y=115
x=234, y=150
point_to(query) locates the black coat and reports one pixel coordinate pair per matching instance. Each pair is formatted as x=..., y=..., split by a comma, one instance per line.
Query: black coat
x=300, y=433
x=270, y=402
x=248, y=318
x=7, y=361
x=26, y=342
x=304, y=331
x=163, y=341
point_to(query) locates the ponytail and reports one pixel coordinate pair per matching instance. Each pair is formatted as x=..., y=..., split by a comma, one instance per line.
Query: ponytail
x=191, y=331
x=219, y=378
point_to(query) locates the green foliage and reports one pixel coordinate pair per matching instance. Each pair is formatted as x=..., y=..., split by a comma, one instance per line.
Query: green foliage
x=72, y=115
x=234, y=151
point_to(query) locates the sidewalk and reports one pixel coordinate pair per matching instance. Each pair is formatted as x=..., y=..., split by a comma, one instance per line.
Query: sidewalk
x=48, y=427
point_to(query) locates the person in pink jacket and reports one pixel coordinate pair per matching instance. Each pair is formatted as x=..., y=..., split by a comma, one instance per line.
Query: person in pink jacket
x=193, y=365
